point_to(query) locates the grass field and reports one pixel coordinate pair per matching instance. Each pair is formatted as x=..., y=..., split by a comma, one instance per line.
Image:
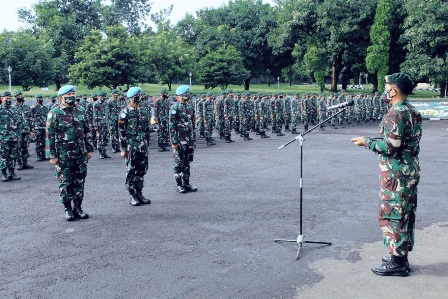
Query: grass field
x=154, y=89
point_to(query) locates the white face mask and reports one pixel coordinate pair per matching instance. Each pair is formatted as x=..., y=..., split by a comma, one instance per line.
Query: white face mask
x=387, y=98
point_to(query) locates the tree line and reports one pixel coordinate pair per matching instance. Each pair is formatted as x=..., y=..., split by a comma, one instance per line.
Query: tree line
x=111, y=45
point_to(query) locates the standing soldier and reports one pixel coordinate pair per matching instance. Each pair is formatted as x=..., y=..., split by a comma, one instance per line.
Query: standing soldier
x=305, y=108
x=295, y=113
x=113, y=111
x=10, y=134
x=332, y=101
x=219, y=115
x=349, y=112
x=245, y=116
x=376, y=107
x=236, y=114
x=89, y=120
x=27, y=123
x=53, y=102
x=68, y=148
x=183, y=138
x=100, y=115
x=199, y=111
x=287, y=112
x=39, y=112
x=322, y=110
x=161, y=112
x=133, y=127
x=369, y=107
x=263, y=116
x=228, y=116
x=208, y=118
x=341, y=99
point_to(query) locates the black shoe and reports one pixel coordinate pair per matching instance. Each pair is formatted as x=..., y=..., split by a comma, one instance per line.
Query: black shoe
x=12, y=175
x=181, y=189
x=386, y=259
x=19, y=165
x=228, y=140
x=101, y=154
x=188, y=187
x=263, y=135
x=161, y=148
x=247, y=138
x=39, y=158
x=395, y=267
x=279, y=133
x=133, y=200
x=26, y=166
x=69, y=216
x=5, y=177
x=105, y=155
x=294, y=131
x=142, y=199
x=79, y=213
x=202, y=135
x=114, y=150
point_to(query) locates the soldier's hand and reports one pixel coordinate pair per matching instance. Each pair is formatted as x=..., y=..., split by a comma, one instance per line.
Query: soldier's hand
x=54, y=161
x=174, y=146
x=123, y=154
x=32, y=134
x=359, y=141
x=89, y=155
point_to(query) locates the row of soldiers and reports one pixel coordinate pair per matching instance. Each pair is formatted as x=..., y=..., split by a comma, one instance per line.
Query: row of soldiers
x=245, y=112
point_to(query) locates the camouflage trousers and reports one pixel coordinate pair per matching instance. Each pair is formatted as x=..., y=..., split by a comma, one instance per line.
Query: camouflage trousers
x=9, y=152
x=208, y=128
x=71, y=175
x=92, y=138
x=162, y=132
x=39, y=138
x=113, y=135
x=227, y=127
x=101, y=138
x=200, y=124
x=295, y=118
x=245, y=126
x=397, y=208
x=137, y=167
x=23, y=146
x=183, y=156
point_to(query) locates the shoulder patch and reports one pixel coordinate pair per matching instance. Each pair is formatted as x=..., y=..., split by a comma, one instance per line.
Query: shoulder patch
x=50, y=115
x=173, y=111
x=123, y=115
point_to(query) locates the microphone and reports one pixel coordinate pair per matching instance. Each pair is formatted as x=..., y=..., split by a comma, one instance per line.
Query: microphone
x=341, y=105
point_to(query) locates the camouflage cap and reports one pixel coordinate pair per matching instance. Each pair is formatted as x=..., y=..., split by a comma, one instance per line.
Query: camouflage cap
x=402, y=80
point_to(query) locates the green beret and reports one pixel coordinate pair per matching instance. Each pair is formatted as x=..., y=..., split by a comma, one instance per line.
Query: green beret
x=114, y=91
x=38, y=96
x=16, y=93
x=6, y=94
x=163, y=90
x=53, y=96
x=402, y=80
x=84, y=94
x=102, y=93
x=93, y=95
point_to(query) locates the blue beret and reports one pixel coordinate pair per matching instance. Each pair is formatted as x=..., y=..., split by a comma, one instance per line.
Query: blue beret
x=182, y=89
x=65, y=89
x=133, y=91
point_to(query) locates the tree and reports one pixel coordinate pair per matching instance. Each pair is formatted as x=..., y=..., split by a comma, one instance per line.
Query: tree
x=377, y=59
x=221, y=68
x=426, y=41
x=110, y=61
x=131, y=14
x=29, y=57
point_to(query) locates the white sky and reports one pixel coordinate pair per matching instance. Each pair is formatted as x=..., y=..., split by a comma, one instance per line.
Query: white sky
x=9, y=19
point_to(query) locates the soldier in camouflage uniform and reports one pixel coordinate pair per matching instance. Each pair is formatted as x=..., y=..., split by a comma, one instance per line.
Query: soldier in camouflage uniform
x=53, y=102
x=350, y=111
x=133, y=128
x=228, y=111
x=376, y=101
x=245, y=111
x=208, y=117
x=236, y=114
x=305, y=108
x=322, y=110
x=68, y=148
x=199, y=111
x=161, y=112
x=183, y=138
x=89, y=120
x=39, y=112
x=295, y=113
x=27, y=123
x=100, y=118
x=113, y=111
x=332, y=101
x=398, y=150
x=219, y=115
x=263, y=116
x=10, y=137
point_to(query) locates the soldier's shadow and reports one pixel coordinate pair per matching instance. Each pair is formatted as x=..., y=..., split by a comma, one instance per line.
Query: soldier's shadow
x=438, y=269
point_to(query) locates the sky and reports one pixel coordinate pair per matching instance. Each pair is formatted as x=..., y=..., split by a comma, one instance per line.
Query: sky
x=9, y=19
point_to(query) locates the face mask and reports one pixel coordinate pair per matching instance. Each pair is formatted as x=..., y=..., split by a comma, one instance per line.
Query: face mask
x=165, y=96
x=387, y=98
x=53, y=101
x=78, y=100
x=8, y=102
x=137, y=99
x=70, y=100
x=102, y=99
x=186, y=97
x=20, y=100
x=40, y=101
x=94, y=99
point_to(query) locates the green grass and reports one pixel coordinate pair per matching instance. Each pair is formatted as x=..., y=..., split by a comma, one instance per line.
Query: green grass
x=154, y=89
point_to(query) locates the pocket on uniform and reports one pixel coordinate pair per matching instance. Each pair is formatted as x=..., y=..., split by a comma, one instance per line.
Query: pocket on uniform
x=391, y=209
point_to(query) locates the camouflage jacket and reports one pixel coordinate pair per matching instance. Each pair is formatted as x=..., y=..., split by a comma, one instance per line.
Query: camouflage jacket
x=10, y=124
x=27, y=117
x=398, y=150
x=113, y=110
x=182, y=121
x=161, y=109
x=208, y=110
x=100, y=113
x=68, y=134
x=134, y=129
x=39, y=113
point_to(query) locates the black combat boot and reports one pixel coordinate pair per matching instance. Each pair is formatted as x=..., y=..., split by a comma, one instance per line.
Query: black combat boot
x=228, y=140
x=5, y=177
x=334, y=126
x=201, y=134
x=141, y=198
x=133, y=200
x=305, y=127
x=180, y=186
x=246, y=137
x=263, y=135
x=161, y=147
x=386, y=259
x=19, y=164
x=287, y=129
x=115, y=149
x=105, y=155
x=279, y=133
x=77, y=211
x=25, y=164
x=395, y=267
x=101, y=154
x=69, y=216
x=209, y=141
x=39, y=157
x=12, y=175
x=294, y=131
x=322, y=128
x=188, y=187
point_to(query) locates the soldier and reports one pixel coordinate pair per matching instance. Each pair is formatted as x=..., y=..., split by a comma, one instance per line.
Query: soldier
x=219, y=114
x=340, y=100
x=10, y=134
x=208, y=109
x=287, y=112
x=349, y=112
x=295, y=113
x=161, y=112
x=279, y=113
x=27, y=123
x=305, y=108
x=53, y=102
x=263, y=116
x=133, y=127
x=322, y=110
x=39, y=112
x=236, y=113
x=245, y=116
x=68, y=148
x=199, y=111
x=398, y=150
x=228, y=116
x=332, y=101
x=113, y=111
x=183, y=138
x=100, y=117
x=376, y=107
x=89, y=120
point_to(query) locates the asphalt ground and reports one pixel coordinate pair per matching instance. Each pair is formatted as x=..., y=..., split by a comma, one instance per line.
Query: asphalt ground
x=219, y=241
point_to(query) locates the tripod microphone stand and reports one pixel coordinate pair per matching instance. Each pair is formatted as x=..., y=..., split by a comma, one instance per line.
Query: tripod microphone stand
x=301, y=238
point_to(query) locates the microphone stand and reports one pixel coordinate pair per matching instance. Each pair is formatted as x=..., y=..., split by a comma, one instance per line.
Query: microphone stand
x=301, y=238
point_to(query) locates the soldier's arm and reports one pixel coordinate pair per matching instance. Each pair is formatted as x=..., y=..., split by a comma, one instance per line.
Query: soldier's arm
x=393, y=132
x=122, y=138
x=174, y=137
x=50, y=138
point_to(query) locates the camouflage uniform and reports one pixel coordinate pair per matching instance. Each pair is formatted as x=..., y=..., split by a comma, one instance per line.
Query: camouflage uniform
x=161, y=113
x=10, y=134
x=295, y=113
x=322, y=110
x=100, y=117
x=236, y=114
x=199, y=111
x=207, y=116
x=228, y=105
x=263, y=116
x=219, y=116
x=39, y=113
x=27, y=124
x=398, y=151
x=89, y=120
x=113, y=111
x=245, y=111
